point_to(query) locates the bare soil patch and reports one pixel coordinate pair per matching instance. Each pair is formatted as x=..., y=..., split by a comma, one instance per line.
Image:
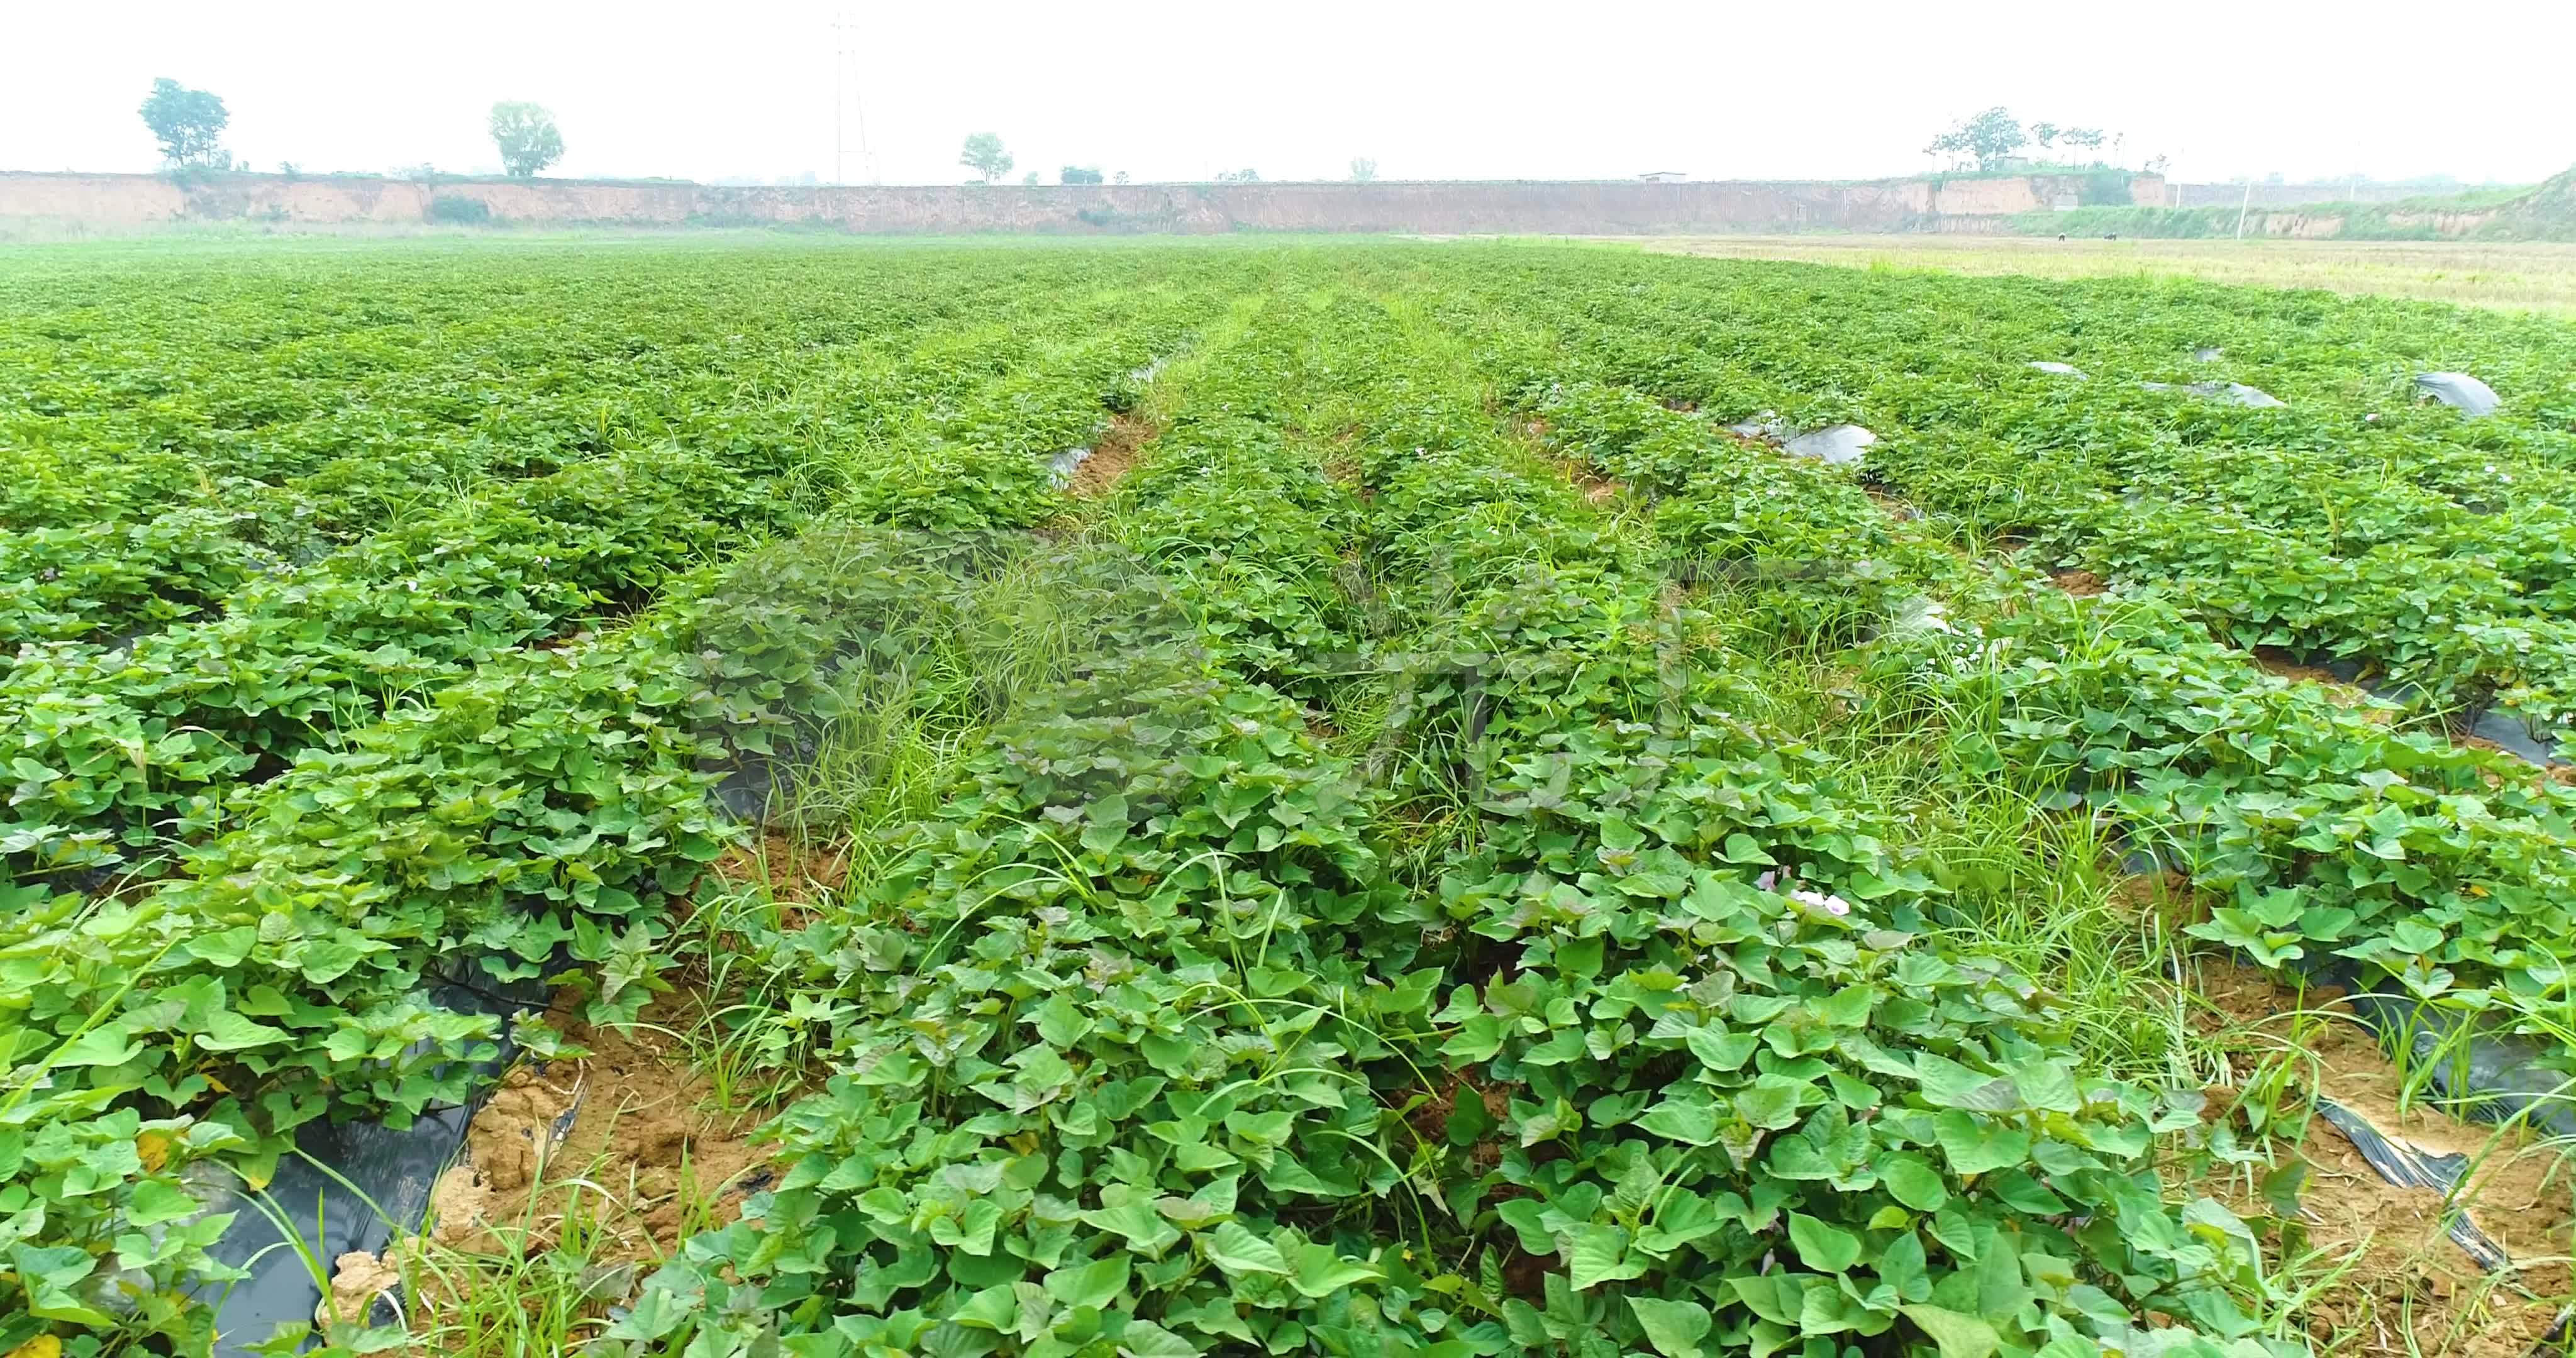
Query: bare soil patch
x=2081, y=584
x=1583, y=476
x=630, y=1119
x=1896, y=507
x=2343, y=693
x=357, y=1279
x=2168, y=895
x=2555, y=773
x=795, y=870
x=1597, y=489
x=2274, y=660
x=619, y=1148
x=1346, y=472
x=2411, y=1287
x=1112, y=457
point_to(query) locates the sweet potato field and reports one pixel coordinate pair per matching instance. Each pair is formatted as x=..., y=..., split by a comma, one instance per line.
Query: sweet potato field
x=1297, y=799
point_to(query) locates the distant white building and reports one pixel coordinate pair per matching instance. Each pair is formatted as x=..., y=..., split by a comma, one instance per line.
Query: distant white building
x=1663, y=176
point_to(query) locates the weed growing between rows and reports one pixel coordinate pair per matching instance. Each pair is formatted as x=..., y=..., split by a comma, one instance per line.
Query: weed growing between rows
x=1345, y=885
x=1241, y=1036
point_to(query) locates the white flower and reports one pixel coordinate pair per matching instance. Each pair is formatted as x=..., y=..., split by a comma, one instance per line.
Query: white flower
x=1831, y=905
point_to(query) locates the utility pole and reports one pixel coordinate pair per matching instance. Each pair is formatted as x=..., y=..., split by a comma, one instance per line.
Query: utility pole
x=847, y=101
x=867, y=150
x=2240, y=209
x=840, y=54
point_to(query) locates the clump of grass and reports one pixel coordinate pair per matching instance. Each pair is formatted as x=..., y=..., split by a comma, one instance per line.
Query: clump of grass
x=918, y=698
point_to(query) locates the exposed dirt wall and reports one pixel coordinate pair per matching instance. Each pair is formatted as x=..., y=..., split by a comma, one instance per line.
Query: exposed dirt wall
x=1603, y=207
x=2287, y=195
x=1988, y=197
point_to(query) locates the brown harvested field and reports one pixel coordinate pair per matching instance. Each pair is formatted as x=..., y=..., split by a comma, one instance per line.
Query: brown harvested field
x=2518, y=276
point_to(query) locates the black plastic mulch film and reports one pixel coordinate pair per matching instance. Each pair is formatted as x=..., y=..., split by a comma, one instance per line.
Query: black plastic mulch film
x=2494, y=1077
x=377, y=1177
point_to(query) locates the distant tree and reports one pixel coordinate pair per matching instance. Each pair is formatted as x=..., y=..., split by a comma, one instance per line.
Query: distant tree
x=288, y=169
x=2087, y=138
x=1030, y=179
x=1120, y=177
x=2045, y=134
x=188, y=123
x=985, y=156
x=1987, y=139
x=1238, y=176
x=1077, y=174
x=2156, y=164
x=1363, y=170
x=527, y=136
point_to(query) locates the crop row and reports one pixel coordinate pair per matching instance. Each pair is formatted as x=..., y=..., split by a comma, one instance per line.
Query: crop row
x=89, y=563
x=2453, y=876
x=2327, y=838
x=343, y=390
x=116, y=750
x=1403, y=925
x=519, y=802
x=1165, y=1025
x=2431, y=549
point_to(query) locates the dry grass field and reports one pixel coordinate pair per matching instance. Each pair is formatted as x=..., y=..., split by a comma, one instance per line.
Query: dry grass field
x=2528, y=277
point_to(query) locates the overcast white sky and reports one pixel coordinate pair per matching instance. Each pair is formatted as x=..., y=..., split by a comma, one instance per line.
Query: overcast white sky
x=1608, y=88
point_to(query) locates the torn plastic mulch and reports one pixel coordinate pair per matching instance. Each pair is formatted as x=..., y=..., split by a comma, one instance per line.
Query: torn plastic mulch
x=388, y=1176
x=2513, y=734
x=2238, y=392
x=2407, y=1165
x=2463, y=393
x=1060, y=468
x=2491, y=725
x=1837, y=445
x=2493, y=1076
x=1118, y=400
